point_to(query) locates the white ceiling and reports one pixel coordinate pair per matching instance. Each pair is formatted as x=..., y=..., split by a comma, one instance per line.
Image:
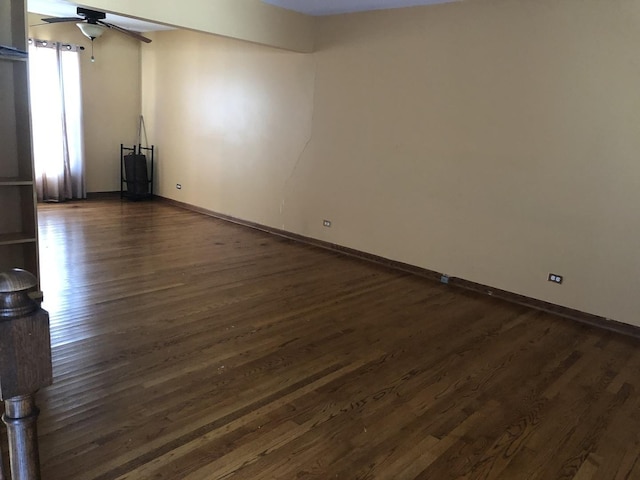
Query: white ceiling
x=64, y=8
x=332, y=7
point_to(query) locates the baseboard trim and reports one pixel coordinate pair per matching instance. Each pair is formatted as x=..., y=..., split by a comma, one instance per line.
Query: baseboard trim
x=101, y=195
x=566, y=312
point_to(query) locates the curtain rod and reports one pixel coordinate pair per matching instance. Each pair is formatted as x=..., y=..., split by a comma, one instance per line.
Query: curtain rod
x=49, y=44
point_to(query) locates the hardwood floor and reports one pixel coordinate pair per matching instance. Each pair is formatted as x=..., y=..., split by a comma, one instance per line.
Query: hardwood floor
x=185, y=347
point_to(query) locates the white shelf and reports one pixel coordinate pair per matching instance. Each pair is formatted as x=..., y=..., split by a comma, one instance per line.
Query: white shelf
x=15, y=182
x=13, y=54
x=16, y=238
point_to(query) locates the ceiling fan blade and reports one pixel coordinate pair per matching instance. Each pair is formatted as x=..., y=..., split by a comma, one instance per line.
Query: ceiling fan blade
x=131, y=33
x=62, y=19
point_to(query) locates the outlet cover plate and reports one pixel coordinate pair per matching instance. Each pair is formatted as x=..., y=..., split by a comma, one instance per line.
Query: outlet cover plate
x=555, y=278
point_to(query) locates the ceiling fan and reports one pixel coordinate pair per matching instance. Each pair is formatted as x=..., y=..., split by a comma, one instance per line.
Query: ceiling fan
x=92, y=24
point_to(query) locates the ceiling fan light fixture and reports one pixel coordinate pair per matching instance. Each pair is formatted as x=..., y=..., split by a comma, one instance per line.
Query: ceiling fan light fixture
x=91, y=30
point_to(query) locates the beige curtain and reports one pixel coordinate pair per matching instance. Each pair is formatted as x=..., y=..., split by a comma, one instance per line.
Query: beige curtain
x=56, y=117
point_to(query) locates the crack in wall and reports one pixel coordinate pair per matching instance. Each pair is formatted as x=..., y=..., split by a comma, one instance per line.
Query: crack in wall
x=285, y=187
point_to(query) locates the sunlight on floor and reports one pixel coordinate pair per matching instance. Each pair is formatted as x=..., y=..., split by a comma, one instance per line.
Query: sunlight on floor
x=60, y=244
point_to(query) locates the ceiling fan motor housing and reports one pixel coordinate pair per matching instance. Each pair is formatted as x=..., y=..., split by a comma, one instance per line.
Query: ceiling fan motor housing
x=91, y=15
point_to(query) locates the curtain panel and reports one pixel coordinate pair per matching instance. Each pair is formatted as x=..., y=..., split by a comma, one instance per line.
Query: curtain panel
x=56, y=117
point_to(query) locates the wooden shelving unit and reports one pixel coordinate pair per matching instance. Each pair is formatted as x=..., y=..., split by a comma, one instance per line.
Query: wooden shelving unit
x=18, y=221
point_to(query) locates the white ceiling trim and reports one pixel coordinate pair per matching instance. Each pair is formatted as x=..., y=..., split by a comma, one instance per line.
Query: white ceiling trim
x=333, y=7
x=65, y=8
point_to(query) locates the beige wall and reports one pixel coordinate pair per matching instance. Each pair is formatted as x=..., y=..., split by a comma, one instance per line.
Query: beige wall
x=111, y=97
x=250, y=20
x=230, y=120
x=495, y=141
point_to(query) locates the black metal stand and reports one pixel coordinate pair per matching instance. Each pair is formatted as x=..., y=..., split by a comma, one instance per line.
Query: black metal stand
x=123, y=151
x=135, y=162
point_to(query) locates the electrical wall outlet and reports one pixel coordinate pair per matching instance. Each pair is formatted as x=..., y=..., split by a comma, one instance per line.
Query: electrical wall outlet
x=555, y=278
x=178, y=186
x=326, y=223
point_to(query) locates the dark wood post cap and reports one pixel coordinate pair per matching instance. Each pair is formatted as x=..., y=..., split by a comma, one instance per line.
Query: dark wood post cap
x=14, y=293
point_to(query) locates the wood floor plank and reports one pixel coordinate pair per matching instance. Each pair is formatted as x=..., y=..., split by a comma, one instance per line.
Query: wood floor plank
x=186, y=347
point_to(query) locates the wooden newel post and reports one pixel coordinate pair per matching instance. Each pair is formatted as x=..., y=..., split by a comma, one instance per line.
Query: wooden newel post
x=25, y=366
